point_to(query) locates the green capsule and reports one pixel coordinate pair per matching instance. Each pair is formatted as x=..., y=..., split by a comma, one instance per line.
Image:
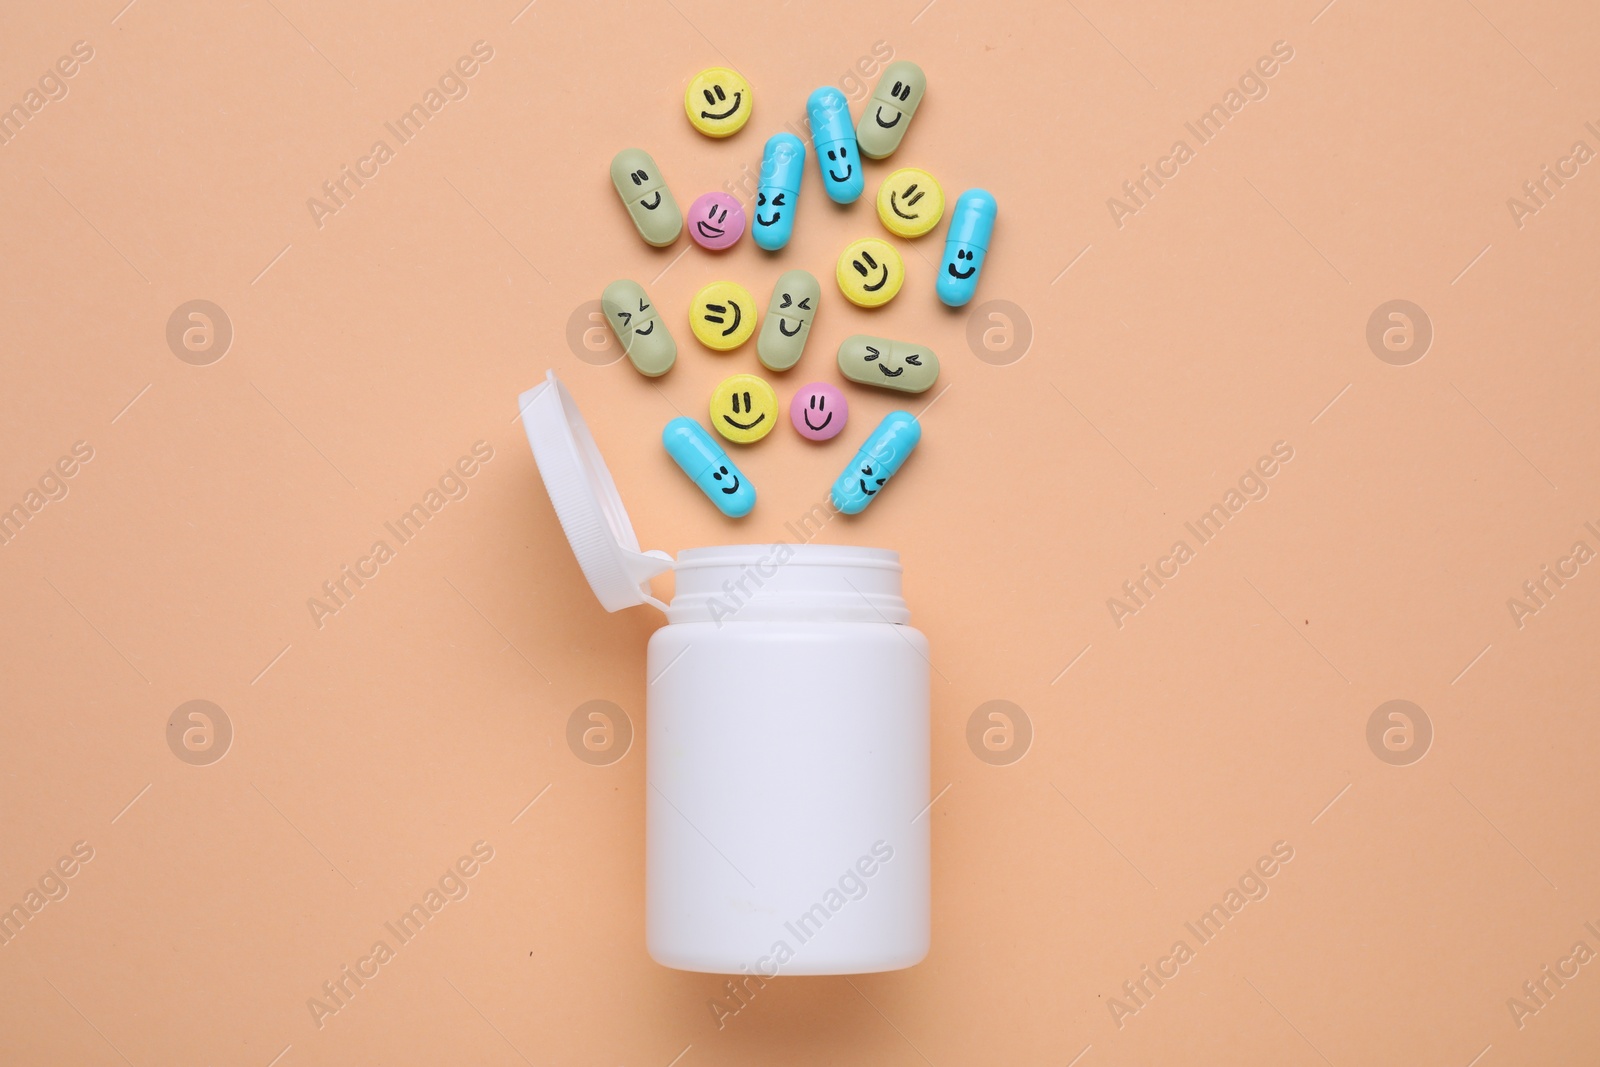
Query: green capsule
x=889, y=109
x=888, y=364
x=645, y=194
x=644, y=336
x=788, y=322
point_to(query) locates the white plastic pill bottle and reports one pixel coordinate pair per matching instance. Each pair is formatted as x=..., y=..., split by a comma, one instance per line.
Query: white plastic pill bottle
x=787, y=735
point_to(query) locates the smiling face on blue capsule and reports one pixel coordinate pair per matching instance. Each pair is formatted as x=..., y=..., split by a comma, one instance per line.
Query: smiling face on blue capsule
x=777, y=201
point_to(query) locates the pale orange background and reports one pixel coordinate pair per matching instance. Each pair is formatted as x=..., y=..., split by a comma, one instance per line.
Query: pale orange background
x=1229, y=714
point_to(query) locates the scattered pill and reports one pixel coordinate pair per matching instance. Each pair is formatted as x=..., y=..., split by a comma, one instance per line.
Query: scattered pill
x=718, y=102
x=788, y=323
x=699, y=456
x=778, y=190
x=836, y=146
x=744, y=409
x=888, y=364
x=910, y=202
x=723, y=316
x=716, y=221
x=880, y=457
x=870, y=272
x=890, y=108
x=644, y=337
x=965, y=246
x=819, y=411
x=645, y=194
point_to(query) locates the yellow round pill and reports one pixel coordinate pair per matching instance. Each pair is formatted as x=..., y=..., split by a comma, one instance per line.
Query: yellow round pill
x=723, y=316
x=718, y=102
x=910, y=202
x=870, y=272
x=744, y=409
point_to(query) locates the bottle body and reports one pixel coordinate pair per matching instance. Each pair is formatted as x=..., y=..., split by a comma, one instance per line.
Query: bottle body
x=787, y=757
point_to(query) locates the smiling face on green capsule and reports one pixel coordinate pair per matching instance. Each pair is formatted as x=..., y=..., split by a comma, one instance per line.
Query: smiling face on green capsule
x=645, y=340
x=887, y=364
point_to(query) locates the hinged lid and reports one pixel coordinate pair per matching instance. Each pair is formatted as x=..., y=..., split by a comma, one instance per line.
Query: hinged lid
x=586, y=500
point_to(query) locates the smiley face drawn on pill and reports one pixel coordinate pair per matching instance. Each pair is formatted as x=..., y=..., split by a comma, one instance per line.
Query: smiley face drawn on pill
x=644, y=192
x=778, y=200
x=633, y=318
x=870, y=272
x=819, y=411
x=644, y=329
x=888, y=364
x=883, y=453
x=786, y=301
x=651, y=201
x=716, y=221
x=877, y=483
x=718, y=102
x=864, y=265
x=910, y=202
x=731, y=481
x=837, y=153
x=963, y=255
x=714, y=96
x=790, y=313
x=898, y=91
x=889, y=109
x=715, y=314
x=881, y=359
x=699, y=456
x=723, y=316
x=839, y=156
x=744, y=409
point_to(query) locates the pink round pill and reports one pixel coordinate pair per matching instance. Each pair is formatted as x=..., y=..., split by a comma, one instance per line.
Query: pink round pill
x=716, y=221
x=819, y=411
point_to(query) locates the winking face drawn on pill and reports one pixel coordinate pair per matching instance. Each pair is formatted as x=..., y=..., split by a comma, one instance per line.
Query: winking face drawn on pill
x=723, y=316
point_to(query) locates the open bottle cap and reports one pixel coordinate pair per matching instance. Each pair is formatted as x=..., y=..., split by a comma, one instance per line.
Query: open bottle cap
x=586, y=500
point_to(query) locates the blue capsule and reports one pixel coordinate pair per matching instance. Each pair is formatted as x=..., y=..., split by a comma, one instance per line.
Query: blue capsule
x=965, y=245
x=709, y=467
x=778, y=194
x=838, y=156
x=880, y=456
